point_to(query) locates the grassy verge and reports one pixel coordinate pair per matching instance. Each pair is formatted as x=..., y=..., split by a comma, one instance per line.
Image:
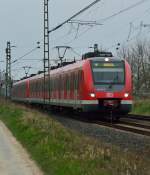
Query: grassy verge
x=59, y=151
x=141, y=107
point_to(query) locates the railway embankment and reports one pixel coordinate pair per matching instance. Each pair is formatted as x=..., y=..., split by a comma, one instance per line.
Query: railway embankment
x=141, y=107
x=59, y=150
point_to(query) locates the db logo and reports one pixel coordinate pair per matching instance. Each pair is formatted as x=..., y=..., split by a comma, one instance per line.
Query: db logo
x=109, y=95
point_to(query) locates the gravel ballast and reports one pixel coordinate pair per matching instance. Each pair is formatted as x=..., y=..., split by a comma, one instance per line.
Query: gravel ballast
x=125, y=140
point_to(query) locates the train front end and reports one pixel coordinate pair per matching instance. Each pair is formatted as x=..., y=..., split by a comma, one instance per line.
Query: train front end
x=111, y=85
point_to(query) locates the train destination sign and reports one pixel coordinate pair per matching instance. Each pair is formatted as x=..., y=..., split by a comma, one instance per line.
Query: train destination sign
x=108, y=65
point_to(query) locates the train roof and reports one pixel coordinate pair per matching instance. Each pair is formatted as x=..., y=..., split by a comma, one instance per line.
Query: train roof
x=69, y=67
x=64, y=69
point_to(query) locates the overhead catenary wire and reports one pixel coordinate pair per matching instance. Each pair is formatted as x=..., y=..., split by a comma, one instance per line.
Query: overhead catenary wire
x=109, y=18
x=123, y=10
x=105, y=19
x=26, y=54
x=75, y=15
x=76, y=52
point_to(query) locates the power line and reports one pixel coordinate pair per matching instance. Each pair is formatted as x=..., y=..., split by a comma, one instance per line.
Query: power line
x=82, y=22
x=72, y=17
x=28, y=59
x=104, y=19
x=75, y=52
x=123, y=10
x=26, y=54
x=85, y=31
x=109, y=17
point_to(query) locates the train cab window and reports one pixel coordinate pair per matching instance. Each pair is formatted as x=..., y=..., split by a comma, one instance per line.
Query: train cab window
x=108, y=72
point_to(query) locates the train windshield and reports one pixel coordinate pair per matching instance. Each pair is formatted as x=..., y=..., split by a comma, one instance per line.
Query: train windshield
x=108, y=72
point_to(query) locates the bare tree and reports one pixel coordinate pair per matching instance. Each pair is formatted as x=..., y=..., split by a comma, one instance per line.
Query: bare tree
x=138, y=56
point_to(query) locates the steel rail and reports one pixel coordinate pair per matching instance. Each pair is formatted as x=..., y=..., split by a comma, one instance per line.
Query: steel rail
x=138, y=129
x=138, y=117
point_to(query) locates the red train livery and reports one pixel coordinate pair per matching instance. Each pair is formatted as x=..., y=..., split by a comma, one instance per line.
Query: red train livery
x=98, y=82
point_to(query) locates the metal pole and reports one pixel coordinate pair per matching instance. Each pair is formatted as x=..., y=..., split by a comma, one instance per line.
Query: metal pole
x=46, y=51
x=8, y=70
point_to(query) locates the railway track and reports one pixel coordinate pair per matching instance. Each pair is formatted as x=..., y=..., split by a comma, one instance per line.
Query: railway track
x=135, y=124
x=138, y=117
x=131, y=124
x=138, y=129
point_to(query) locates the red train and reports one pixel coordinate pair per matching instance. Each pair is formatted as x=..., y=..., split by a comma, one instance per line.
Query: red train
x=99, y=82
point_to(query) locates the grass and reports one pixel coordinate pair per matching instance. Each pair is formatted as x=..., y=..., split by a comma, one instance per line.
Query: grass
x=59, y=151
x=141, y=107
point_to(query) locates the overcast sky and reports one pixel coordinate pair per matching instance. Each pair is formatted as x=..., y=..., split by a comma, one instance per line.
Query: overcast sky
x=22, y=24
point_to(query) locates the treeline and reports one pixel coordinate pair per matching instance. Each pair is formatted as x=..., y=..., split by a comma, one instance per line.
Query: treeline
x=138, y=55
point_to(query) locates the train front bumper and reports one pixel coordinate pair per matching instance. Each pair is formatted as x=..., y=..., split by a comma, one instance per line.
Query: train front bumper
x=103, y=105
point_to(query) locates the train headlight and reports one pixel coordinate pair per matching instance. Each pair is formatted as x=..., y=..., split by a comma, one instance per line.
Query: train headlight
x=92, y=95
x=126, y=95
x=107, y=59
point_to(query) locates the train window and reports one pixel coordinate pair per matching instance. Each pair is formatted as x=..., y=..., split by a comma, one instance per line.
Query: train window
x=38, y=86
x=71, y=82
x=76, y=81
x=33, y=88
x=51, y=84
x=80, y=77
x=46, y=85
x=67, y=82
x=54, y=84
x=60, y=83
x=66, y=87
x=69, y=79
x=57, y=83
x=106, y=73
x=63, y=83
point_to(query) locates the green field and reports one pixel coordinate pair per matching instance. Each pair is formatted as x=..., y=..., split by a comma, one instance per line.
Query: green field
x=59, y=151
x=141, y=107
